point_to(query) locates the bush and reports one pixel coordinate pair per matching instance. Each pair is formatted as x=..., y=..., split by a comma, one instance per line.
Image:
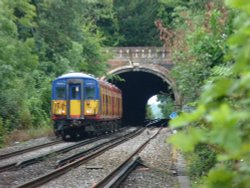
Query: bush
x=201, y=161
x=221, y=120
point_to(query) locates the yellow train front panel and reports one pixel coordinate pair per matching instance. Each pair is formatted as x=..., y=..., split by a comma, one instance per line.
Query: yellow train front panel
x=75, y=108
x=59, y=107
x=91, y=107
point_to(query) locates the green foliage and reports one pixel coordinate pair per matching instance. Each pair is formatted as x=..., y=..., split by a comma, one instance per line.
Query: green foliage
x=17, y=60
x=36, y=45
x=149, y=113
x=114, y=78
x=196, y=5
x=221, y=121
x=74, y=44
x=189, y=138
x=136, y=21
x=189, y=79
x=201, y=161
x=221, y=178
x=166, y=104
x=108, y=22
x=200, y=44
x=2, y=131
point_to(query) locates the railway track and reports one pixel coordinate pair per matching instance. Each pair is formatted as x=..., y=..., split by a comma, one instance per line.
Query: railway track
x=19, y=152
x=85, y=152
x=16, y=165
x=77, y=162
x=50, y=161
x=24, y=163
x=115, y=178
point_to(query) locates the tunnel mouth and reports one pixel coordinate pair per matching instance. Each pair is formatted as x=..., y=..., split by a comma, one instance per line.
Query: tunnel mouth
x=137, y=87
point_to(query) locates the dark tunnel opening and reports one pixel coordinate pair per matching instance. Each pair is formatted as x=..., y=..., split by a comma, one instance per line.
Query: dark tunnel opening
x=137, y=88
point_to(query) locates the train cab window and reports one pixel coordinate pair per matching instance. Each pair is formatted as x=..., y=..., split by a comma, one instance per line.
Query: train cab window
x=60, y=92
x=90, y=92
x=75, y=92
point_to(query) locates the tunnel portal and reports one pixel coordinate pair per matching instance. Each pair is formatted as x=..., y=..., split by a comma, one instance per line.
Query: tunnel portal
x=137, y=87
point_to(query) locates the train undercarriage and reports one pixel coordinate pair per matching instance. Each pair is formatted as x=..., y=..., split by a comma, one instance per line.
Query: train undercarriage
x=78, y=128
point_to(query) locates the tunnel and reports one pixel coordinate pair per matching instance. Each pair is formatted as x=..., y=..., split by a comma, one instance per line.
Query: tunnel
x=137, y=87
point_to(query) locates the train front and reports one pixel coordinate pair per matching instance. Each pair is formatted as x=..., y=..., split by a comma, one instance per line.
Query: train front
x=74, y=98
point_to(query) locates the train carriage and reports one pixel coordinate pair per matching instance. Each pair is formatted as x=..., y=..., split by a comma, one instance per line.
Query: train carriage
x=82, y=104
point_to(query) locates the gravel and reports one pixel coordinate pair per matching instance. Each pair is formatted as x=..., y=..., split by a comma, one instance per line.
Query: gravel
x=23, y=145
x=156, y=170
x=158, y=166
x=14, y=178
x=33, y=154
x=157, y=157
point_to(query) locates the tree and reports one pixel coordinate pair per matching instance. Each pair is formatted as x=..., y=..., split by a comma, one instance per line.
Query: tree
x=137, y=21
x=36, y=45
x=149, y=113
x=196, y=44
x=74, y=44
x=166, y=104
x=17, y=60
x=221, y=120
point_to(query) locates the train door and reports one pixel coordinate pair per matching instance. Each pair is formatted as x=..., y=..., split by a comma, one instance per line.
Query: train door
x=75, y=105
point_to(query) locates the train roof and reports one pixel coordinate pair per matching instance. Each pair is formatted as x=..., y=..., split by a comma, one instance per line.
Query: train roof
x=109, y=85
x=76, y=75
x=83, y=75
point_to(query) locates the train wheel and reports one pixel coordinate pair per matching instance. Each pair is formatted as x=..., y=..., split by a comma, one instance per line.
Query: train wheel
x=66, y=136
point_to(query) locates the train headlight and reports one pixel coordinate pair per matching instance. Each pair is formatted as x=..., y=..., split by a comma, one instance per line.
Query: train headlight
x=89, y=111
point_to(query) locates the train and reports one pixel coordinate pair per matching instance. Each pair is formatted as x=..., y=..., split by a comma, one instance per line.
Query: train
x=84, y=105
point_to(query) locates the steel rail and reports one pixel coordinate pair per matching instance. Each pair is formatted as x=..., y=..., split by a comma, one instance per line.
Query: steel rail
x=117, y=176
x=85, y=152
x=21, y=164
x=62, y=170
x=7, y=167
x=19, y=152
x=121, y=172
x=42, y=157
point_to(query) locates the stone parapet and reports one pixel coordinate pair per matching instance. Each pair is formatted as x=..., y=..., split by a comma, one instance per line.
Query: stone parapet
x=154, y=55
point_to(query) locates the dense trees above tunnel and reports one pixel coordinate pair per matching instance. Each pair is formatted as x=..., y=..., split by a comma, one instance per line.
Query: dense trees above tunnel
x=137, y=21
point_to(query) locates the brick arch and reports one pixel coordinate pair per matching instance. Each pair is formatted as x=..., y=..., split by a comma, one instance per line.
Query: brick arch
x=156, y=70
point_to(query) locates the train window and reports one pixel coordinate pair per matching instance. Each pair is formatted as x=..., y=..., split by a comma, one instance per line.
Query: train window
x=90, y=92
x=75, y=91
x=60, y=92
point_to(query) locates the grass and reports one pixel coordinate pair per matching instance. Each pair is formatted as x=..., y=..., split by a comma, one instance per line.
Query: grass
x=24, y=135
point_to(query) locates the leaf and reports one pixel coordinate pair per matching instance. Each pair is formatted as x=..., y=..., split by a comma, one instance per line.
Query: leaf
x=186, y=118
x=240, y=4
x=186, y=141
x=220, y=178
x=225, y=131
x=221, y=88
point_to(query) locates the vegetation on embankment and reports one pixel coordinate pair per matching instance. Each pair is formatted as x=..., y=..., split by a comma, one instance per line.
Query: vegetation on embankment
x=210, y=45
x=40, y=40
x=22, y=135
